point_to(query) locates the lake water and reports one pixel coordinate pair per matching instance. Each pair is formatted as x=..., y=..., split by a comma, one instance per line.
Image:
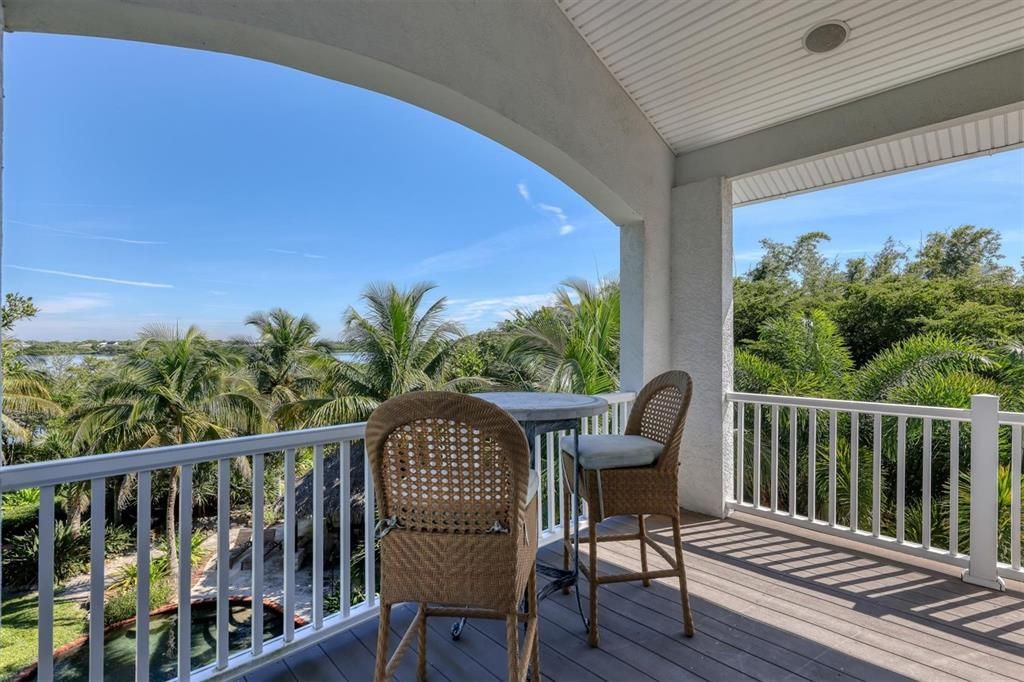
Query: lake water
x=49, y=362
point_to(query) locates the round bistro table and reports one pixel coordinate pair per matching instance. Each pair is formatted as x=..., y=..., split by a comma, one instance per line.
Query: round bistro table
x=540, y=413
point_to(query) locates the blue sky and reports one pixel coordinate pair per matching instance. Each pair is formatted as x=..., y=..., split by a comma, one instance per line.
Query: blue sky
x=146, y=184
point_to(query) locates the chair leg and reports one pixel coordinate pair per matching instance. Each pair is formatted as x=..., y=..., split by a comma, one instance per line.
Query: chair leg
x=383, y=628
x=535, y=615
x=566, y=522
x=684, y=594
x=421, y=645
x=593, y=637
x=643, y=549
x=512, y=646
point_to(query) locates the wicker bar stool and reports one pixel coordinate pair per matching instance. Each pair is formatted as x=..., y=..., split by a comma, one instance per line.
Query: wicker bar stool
x=457, y=506
x=635, y=474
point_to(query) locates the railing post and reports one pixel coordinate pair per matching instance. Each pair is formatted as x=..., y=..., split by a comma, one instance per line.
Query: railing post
x=984, y=504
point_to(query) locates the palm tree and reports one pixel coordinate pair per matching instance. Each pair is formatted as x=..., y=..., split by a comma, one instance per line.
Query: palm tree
x=285, y=354
x=396, y=348
x=574, y=346
x=796, y=355
x=172, y=389
x=25, y=392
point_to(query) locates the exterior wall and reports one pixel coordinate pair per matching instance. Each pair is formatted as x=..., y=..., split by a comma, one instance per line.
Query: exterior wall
x=515, y=71
x=701, y=333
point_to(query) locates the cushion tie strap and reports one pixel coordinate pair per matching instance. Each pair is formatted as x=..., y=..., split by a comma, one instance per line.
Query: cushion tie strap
x=498, y=527
x=386, y=525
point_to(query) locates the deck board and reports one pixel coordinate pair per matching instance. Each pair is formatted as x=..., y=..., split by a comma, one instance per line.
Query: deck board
x=769, y=604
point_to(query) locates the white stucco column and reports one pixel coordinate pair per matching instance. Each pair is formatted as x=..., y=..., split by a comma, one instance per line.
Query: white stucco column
x=701, y=336
x=643, y=277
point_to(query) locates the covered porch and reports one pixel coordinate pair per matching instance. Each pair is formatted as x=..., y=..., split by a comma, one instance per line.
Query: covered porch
x=770, y=603
x=664, y=116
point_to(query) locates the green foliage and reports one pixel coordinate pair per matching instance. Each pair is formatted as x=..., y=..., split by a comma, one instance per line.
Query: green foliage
x=283, y=357
x=913, y=360
x=400, y=344
x=21, y=556
x=962, y=252
x=121, y=605
x=119, y=541
x=804, y=354
x=572, y=347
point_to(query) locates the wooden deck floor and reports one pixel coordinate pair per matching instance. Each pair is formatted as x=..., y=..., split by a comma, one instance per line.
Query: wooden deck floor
x=769, y=604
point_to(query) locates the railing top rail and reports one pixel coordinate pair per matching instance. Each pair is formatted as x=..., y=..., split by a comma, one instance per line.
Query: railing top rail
x=893, y=409
x=620, y=397
x=1011, y=417
x=38, y=474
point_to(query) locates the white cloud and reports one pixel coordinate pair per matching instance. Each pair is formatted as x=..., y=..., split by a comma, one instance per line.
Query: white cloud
x=472, y=255
x=564, y=226
x=84, y=235
x=483, y=311
x=71, y=304
x=297, y=253
x=94, y=278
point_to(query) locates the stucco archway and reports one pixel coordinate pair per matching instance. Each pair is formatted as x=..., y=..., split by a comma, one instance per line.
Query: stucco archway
x=516, y=72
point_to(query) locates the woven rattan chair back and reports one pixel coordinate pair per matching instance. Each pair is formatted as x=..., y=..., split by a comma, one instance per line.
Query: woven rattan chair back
x=659, y=413
x=447, y=463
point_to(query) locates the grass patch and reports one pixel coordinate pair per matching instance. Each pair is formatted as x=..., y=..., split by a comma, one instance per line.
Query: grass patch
x=19, y=631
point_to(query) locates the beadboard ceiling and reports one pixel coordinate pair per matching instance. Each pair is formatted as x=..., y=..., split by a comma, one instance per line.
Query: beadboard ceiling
x=705, y=71
x=986, y=134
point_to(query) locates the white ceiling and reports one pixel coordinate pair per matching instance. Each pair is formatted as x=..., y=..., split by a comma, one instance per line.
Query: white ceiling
x=704, y=71
x=976, y=135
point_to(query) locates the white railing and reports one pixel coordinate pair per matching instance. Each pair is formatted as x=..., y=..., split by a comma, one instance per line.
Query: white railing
x=862, y=449
x=259, y=451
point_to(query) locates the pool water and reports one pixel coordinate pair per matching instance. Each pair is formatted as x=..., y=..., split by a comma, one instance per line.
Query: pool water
x=119, y=644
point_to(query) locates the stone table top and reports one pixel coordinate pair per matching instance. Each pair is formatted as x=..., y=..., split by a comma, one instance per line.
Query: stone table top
x=541, y=407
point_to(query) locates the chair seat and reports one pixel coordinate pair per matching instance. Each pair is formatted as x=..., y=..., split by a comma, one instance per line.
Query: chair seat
x=614, y=452
x=532, y=486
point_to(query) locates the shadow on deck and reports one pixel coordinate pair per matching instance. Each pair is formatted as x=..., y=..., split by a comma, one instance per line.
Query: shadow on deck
x=769, y=604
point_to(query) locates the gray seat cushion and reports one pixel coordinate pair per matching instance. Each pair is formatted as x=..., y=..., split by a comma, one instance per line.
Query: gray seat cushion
x=615, y=452
x=533, y=486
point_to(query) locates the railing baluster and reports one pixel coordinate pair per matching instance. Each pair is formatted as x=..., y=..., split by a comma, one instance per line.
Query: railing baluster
x=793, y=461
x=954, y=487
x=256, y=554
x=318, y=537
x=223, y=558
x=185, y=573
x=755, y=465
x=289, y=544
x=854, y=470
x=775, y=459
x=345, y=523
x=615, y=418
x=369, y=515
x=901, y=465
x=833, y=418
x=812, y=459
x=97, y=526
x=876, y=477
x=1015, y=485
x=540, y=493
x=561, y=487
x=44, y=670
x=926, y=486
x=552, y=454
x=143, y=511
x=739, y=452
